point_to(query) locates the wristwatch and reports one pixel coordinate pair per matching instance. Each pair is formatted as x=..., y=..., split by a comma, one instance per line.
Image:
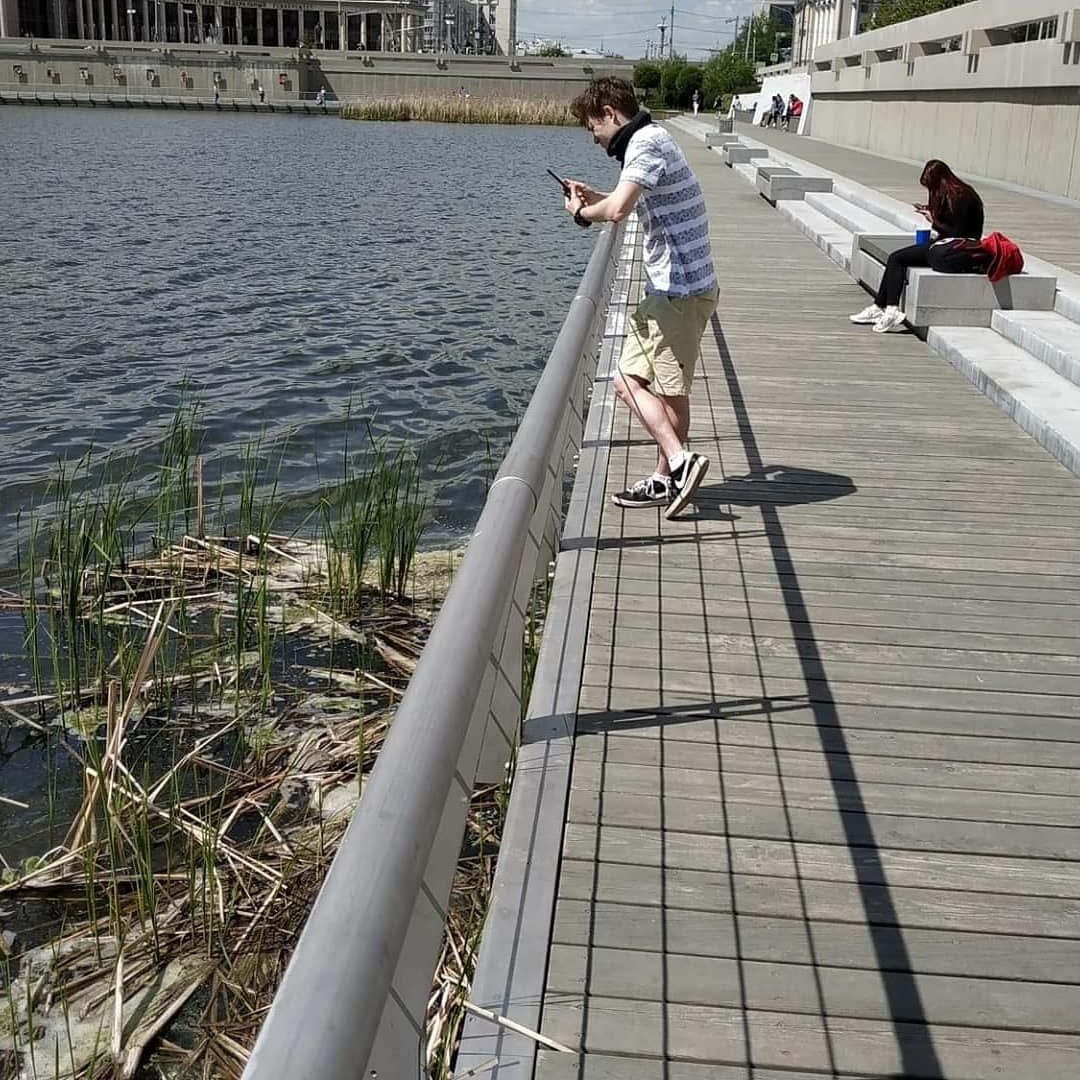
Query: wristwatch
x=579, y=220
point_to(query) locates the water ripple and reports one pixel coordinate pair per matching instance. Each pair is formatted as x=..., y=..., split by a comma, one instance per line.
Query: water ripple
x=298, y=275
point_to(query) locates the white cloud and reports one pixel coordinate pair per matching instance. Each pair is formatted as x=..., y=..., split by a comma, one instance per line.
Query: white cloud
x=623, y=26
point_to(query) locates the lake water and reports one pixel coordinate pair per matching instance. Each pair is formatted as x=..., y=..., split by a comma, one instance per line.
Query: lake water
x=285, y=269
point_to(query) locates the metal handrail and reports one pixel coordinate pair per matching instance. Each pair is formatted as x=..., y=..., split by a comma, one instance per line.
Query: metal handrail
x=352, y=1001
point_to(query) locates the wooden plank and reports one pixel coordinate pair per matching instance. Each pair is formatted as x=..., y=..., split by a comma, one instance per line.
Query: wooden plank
x=712, y=817
x=581, y=923
x=668, y=572
x=823, y=862
x=673, y=612
x=730, y=633
x=811, y=594
x=838, y=723
x=773, y=760
x=812, y=989
x=797, y=793
x=679, y=649
x=555, y=1066
x=792, y=1041
x=635, y=689
x=795, y=730
x=889, y=670
x=778, y=897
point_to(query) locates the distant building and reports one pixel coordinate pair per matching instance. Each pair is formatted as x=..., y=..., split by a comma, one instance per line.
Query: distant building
x=782, y=10
x=459, y=26
x=820, y=22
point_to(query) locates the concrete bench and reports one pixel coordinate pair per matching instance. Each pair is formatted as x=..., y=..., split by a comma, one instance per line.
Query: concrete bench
x=721, y=137
x=935, y=299
x=775, y=184
x=737, y=154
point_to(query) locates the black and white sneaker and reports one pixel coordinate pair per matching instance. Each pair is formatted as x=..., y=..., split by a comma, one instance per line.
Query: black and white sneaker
x=685, y=480
x=647, y=492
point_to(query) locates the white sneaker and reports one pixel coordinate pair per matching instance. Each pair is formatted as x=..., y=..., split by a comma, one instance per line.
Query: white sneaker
x=891, y=322
x=868, y=315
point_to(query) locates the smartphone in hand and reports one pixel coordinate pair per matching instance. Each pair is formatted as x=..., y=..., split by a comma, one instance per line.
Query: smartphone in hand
x=561, y=182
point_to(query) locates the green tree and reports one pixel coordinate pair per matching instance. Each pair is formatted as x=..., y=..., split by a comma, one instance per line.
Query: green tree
x=669, y=81
x=689, y=78
x=895, y=11
x=647, y=76
x=765, y=33
x=728, y=73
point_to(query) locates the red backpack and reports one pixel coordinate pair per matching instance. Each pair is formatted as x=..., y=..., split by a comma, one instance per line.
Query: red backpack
x=1005, y=257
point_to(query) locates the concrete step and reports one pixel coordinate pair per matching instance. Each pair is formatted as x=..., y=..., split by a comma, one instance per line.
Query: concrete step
x=853, y=218
x=899, y=217
x=1046, y=335
x=1067, y=304
x=832, y=238
x=1042, y=402
x=748, y=170
x=779, y=185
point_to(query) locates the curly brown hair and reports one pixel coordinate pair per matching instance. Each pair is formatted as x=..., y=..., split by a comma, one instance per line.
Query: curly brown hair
x=601, y=92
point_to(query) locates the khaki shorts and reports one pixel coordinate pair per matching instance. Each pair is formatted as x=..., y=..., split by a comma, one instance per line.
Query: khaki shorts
x=663, y=339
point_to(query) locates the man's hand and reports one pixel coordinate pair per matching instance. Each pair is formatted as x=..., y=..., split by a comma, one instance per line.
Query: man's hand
x=584, y=193
x=581, y=195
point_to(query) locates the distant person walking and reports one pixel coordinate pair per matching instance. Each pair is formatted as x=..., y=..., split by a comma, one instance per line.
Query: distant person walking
x=320, y=97
x=660, y=352
x=695, y=100
x=262, y=93
x=955, y=213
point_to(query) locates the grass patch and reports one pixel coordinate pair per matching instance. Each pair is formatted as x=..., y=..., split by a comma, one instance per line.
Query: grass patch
x=454, y=109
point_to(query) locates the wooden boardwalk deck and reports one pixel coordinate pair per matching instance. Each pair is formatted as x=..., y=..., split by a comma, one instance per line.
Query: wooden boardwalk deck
x=825, y=805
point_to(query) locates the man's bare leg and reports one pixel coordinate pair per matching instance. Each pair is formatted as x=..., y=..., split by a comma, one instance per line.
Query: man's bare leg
x=656, y=414
x=678, y=411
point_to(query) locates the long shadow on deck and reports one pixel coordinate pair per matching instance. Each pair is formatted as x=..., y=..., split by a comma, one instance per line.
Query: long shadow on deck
x=915, y=1045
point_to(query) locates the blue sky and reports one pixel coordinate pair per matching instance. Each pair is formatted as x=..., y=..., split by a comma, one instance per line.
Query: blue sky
x=623, y=26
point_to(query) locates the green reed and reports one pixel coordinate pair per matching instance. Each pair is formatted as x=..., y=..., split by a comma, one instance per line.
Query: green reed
x=177, y=492
x=91, y=589
x=402, y=511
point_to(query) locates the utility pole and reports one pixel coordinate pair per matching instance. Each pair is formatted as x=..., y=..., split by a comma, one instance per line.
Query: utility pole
x=671, y=35
x=662, y=27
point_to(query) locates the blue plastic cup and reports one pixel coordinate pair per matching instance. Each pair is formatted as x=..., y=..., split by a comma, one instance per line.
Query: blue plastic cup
x=922, y=236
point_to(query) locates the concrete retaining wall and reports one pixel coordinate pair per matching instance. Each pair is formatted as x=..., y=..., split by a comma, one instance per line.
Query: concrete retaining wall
x=992, y=87
x=119, y=69
x=1028, y=137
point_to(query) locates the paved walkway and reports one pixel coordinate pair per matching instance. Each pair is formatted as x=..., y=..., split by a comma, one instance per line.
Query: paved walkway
x=1044, y=227
x=825, y=807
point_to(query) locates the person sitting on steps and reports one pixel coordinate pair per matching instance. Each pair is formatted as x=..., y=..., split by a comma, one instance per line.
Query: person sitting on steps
x=955, y=213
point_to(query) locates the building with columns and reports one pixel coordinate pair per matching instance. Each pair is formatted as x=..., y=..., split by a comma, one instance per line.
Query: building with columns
x=821, y=22
x=404, y=26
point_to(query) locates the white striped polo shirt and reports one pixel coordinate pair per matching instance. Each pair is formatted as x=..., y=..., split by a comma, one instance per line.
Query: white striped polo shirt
x=678, y=260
